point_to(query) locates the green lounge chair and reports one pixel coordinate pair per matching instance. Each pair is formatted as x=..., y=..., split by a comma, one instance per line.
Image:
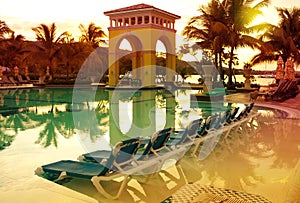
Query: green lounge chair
x=119, y=164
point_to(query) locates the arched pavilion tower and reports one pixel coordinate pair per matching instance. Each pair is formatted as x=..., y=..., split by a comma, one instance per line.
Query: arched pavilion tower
x=142, y=26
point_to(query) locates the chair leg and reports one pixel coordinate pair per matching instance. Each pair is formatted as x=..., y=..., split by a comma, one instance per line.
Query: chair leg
x=96, y=182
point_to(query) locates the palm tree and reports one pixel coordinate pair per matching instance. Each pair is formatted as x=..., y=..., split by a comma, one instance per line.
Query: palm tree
x=4, y=29
x=73, y=53
x=282, y=40
x=210, y=31
x=241, y=14
x=228, y=24
x=47, y=47
x=93, y=35
x=13, y=50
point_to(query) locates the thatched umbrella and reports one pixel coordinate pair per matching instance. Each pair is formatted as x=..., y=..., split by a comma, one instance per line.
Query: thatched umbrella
x=16, y=71
x=279, y=70
x=289, y=70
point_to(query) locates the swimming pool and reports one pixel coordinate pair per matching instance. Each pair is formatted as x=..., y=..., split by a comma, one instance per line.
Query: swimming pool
x=39, y=126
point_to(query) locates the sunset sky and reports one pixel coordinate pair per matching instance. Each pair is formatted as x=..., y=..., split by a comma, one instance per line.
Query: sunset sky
x=22, y=16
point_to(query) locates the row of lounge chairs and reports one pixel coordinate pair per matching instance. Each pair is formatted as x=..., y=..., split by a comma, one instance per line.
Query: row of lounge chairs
x=286, y=89
x=144, y=156
x=11, y=81
x=136, y=156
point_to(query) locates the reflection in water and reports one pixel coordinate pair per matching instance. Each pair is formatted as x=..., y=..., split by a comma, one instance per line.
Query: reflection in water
x=52, y=110
x=93, y=116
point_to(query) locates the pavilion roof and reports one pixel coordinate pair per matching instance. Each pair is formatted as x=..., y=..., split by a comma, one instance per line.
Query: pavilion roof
x=139, y=7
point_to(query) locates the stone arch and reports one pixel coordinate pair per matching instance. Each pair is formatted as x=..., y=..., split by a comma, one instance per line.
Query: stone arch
x=134, y=41
x=169, y=44
x=135, y=54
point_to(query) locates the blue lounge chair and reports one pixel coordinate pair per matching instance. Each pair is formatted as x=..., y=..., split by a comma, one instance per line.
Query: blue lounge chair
x=148, y=147
x=231, y=115
x=119, y=164
x=214, y=126
x=244, y=112
x=186, y=136
x=156, y=144
x=209, y=123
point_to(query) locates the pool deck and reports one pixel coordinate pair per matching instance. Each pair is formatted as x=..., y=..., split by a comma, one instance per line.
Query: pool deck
x=291, y=105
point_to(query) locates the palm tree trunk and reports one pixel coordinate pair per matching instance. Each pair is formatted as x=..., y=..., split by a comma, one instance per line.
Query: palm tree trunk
x=230, y=83
x=217, y=66
x=221, y=67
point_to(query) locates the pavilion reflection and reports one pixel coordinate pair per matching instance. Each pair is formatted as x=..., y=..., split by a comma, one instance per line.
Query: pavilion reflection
x=141, y=112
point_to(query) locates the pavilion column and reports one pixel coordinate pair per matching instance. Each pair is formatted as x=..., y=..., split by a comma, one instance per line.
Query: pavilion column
x=113, y=70
x=149, y=68
x=135, y=65
x=171, y=67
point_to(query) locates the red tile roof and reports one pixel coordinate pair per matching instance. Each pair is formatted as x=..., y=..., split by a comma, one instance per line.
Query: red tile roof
x=139, y=7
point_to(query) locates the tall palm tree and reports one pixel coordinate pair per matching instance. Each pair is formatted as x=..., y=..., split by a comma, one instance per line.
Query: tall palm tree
x=282, y=40
x=210, y=31
x=231, y=28
x=241, y=14
x=48, y=48
x=93, y=34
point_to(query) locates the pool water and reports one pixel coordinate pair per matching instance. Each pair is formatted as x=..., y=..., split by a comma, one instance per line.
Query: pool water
x=40, y=126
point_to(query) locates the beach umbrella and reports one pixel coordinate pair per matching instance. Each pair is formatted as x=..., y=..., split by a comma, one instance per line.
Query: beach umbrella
x=47, y=71
x=279, y=69
x=26, y=71
x=16, y=71
x=289, y=70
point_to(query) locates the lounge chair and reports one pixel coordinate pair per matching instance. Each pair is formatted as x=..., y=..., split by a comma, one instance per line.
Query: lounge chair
x=13, y=80
x=187, y=136
x=20, y=80
x=231, y=115
x=211, y=130
x=156, y=144
x=242, y=119
x=148, y=147
x=244, y=113
x=198, y=192
x=286, y=89
x=6, y=81
x=151, y=155
x=209, y=123
x=119, y=164
x=207, y=131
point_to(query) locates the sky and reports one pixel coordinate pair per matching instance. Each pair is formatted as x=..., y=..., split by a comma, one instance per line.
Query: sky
x=22, y=16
